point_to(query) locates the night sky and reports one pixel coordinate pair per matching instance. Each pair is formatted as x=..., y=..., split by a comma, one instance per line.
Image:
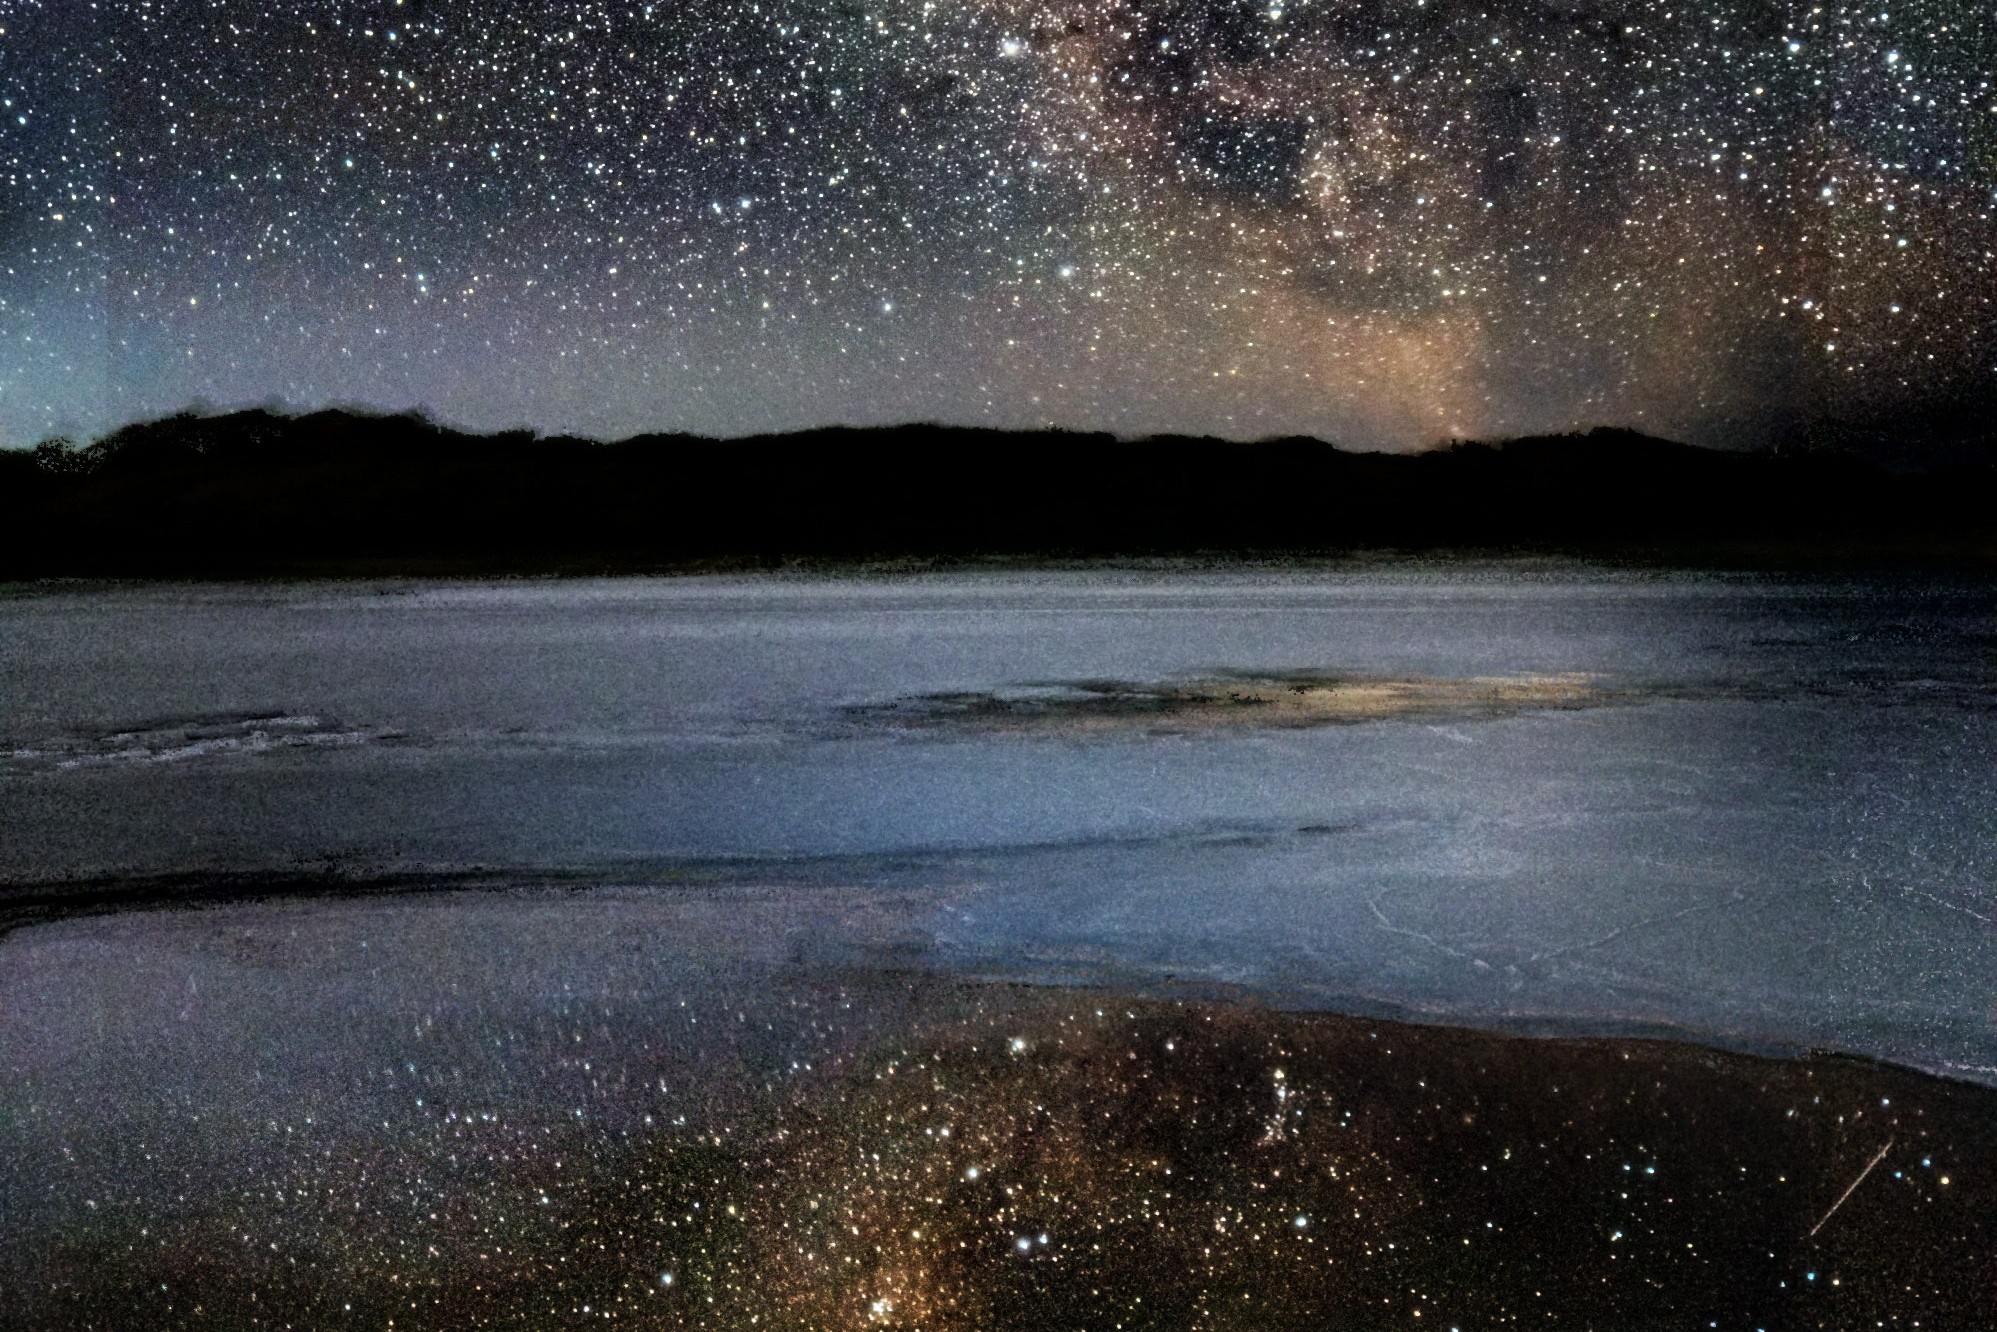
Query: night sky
x=511, y=1114
x=1380, y=223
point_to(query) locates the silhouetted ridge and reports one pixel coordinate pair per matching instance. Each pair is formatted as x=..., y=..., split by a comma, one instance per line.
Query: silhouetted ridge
x=255, y=492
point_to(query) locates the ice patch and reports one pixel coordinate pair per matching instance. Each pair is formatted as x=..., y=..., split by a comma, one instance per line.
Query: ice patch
x=177, y=740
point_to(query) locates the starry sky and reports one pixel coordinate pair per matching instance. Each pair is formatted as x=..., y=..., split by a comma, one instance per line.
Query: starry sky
x=1381, y=223
x=510, y=1115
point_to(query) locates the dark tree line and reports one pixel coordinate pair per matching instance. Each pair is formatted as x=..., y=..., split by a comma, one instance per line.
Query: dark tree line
x=255, y=493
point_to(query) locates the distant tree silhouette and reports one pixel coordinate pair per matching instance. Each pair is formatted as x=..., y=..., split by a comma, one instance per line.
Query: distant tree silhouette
x=257, y=492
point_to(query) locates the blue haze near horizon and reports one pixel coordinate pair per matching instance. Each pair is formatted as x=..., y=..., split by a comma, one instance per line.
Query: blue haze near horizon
x=1382, y=225
x=1778, y=835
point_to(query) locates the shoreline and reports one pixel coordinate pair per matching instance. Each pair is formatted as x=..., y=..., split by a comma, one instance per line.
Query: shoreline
x=1940, y=552
x=799, y=1151
x=817, y=927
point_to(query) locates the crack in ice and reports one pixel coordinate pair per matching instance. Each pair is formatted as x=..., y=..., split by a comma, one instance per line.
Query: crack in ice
x=1646, y=922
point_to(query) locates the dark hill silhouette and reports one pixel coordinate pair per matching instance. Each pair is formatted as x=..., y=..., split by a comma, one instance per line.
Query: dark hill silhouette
x=255, y=492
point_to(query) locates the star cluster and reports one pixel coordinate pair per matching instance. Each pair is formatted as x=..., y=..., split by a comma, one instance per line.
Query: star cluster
x=1382, y=223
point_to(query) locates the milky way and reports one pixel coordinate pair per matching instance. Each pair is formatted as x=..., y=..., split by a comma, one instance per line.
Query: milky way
x=1382, y=223
x=381, y=1115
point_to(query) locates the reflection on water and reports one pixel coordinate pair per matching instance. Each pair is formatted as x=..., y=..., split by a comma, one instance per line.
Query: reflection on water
x=533, y=1112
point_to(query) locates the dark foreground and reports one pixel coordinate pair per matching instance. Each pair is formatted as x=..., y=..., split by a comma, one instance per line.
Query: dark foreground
x=854, y=1150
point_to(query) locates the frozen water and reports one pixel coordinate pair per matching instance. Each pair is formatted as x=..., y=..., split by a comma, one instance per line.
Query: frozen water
x=1778, y=830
